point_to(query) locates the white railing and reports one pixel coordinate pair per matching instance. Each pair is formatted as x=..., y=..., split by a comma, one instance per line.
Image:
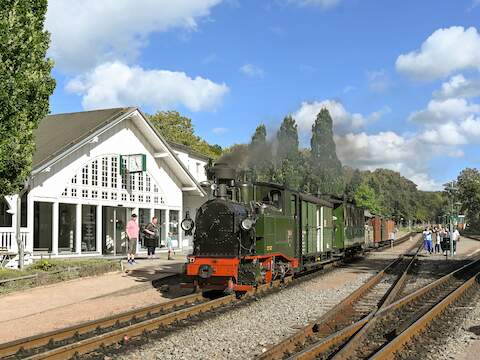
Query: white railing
x=9, y=241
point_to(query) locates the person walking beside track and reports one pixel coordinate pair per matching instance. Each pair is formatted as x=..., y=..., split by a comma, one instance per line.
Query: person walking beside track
x=427, y=240
x=132, y=230
x=151, y=232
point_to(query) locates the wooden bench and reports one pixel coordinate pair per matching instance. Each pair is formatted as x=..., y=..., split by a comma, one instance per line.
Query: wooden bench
x=5, y=256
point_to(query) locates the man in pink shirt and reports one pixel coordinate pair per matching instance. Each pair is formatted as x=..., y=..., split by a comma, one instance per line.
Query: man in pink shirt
x=132, y=234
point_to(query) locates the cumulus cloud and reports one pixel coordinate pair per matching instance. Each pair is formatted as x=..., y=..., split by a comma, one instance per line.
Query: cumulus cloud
x=444, y=134
x=116, y=84
x=251, y=70
x=443, y=111
x=388, y=150
x=458, y=86
x=444, y=52
x=342, y=119
x=86, y=33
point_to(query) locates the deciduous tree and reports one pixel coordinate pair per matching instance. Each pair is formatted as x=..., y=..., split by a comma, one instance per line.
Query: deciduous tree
x=25, y=87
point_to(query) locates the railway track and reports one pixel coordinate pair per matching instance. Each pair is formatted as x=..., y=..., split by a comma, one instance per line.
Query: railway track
x=87, y=337
x=343, y=320
x=385, y=332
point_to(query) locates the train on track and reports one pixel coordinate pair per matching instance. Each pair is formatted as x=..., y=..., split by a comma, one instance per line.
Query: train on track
x=252, y=233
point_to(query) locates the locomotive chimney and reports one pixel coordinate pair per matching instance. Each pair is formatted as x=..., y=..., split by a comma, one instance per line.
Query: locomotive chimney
x=224, y=177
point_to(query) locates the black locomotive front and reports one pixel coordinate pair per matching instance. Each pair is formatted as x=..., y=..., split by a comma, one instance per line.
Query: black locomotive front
x=219, y=230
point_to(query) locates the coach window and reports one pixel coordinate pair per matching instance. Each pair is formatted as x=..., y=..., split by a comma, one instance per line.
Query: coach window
x=276, y=199
x=5, y=217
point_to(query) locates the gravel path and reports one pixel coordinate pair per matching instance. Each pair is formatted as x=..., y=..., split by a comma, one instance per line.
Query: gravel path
x=246, y=331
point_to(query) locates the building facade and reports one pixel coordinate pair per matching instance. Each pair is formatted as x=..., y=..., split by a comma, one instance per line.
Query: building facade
x=93, y=170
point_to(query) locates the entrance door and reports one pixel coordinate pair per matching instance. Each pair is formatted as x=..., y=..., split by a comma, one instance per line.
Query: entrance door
x=114, y=235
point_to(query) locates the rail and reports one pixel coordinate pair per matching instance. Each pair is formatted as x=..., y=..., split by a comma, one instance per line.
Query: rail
x=87, y=337
x=335, y=327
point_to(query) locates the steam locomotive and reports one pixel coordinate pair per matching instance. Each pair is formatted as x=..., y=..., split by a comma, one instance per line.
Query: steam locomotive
x=251, y=233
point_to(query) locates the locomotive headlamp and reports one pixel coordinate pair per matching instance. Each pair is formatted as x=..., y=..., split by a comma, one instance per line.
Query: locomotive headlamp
x=247, y=224
x=187, y=224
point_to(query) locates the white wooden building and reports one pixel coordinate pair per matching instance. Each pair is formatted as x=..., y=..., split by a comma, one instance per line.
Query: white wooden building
x=79, y=196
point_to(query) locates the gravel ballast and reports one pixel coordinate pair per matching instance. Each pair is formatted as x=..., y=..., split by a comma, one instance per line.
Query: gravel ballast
x=248, y=330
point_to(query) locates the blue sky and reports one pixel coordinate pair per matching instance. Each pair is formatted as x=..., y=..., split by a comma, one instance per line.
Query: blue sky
x=400, y=78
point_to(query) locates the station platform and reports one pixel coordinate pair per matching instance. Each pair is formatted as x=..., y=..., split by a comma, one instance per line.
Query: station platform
x=59, y=305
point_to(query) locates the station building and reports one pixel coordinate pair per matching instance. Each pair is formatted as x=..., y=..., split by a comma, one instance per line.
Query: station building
x=91, y=171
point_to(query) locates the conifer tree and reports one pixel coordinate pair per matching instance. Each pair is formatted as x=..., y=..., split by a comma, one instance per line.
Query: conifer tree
x=287, y=139
x=327, y=169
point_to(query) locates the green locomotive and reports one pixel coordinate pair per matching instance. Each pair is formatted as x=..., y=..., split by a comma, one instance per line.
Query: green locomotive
x=253, y=232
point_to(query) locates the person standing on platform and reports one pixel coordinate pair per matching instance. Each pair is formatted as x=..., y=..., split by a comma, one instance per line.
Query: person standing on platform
x=438, y=240
x=132, y=230
x=170, y=246
x=455, y=238
x=151, y=237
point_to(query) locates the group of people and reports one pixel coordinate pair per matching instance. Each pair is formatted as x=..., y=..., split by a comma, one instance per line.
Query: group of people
x=151, y=234
x=432, y=239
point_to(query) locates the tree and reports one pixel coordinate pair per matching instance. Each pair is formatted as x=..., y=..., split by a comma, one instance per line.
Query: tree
x=468, y=193
x=179, y=129
x=260, y=155
x=287, y=169
x=287, y=139
x=365, y=197
x=25, y=87
x=328, y=174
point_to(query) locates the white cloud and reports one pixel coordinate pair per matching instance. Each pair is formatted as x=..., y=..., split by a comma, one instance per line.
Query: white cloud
x=378, y=81
x=425, y=182
x=251, y=70
x=86, y=33
x=388, y=150
x=444, y=134
x=458, y=86
x=116, y=84
x=444, y=52
x=220, y=130
x=443, y=111
x=324, y=4
x=342, y=119
x=471, y=127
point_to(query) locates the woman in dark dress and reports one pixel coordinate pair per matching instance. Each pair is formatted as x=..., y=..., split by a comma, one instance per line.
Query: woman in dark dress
x=151, y=236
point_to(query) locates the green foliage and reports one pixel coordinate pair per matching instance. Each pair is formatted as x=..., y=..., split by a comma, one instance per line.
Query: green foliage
x=25, y=87
x=468, y=193
x=43, y=265
x=327, y=174
x=179, y=129
x=287, y=139
x=365, y=197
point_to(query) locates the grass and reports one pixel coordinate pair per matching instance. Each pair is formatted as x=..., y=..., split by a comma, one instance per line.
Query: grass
x=51, y=271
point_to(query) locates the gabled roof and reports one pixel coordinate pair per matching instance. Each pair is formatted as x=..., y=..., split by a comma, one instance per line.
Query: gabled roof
x=61, y=133
x=56, y=133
